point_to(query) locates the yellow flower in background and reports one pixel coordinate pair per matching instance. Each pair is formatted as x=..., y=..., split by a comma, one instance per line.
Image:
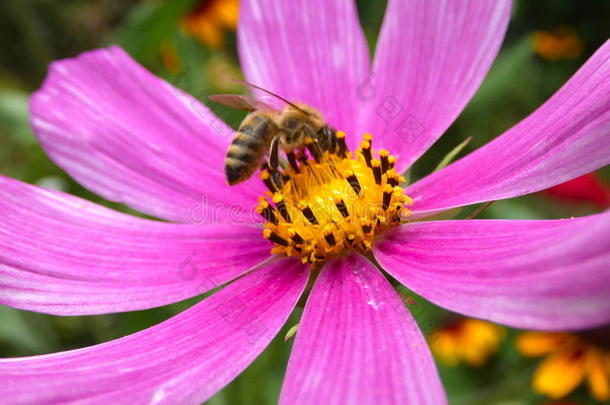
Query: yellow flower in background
x=469, y=340
x=209, y=21
x=222, y=73
x=561, y=43
x=571, y=359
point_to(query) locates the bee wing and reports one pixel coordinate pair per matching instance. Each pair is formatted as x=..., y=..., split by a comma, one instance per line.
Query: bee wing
x=254, y=86
x=239, y=101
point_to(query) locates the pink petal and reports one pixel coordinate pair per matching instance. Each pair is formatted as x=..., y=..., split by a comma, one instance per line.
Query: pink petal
x=66, y=256
x=184, y=360
x=311, y=51
x=431, y=57
x=133, y=138
x=358, y=344
x=527, y=274
x=566, y=137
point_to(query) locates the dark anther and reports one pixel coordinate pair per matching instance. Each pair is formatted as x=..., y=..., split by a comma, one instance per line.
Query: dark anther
x=269, y=214
x=367, y=228
x=387, y=196
x=274, y=237
x=385, y=162
x=366, y=152
x=353, y=182
x=377, y=171
x=281, y=207
x=349, y=239
x=297, y=238
x=397, y=213
x=341, y=145
x=330, y=239
x=308, y=213
x=342, y=208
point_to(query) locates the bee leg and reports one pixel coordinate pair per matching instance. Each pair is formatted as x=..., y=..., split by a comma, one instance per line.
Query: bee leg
x=331, y=136
x=292, y=159
x=274, y=153
x=276, y=178
x=314, y=145
x=327, y=137
x=274, y=163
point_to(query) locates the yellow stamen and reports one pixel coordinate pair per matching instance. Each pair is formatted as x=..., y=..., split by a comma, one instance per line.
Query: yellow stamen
x=332, y=202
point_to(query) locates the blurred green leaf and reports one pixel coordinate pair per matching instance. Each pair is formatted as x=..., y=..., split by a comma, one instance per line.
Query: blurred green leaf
x=507, y=73
x=511, y=209
x=148, y=25
x=27, y=333
x=449, y=157
x=14, y=117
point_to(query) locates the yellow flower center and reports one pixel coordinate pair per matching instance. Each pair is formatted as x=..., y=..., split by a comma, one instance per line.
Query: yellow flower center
x=333, y=201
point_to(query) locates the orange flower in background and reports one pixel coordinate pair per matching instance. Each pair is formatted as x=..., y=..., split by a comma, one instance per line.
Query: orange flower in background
x=170, y=57
x=469, y=340
x=588, y=188
x=572, y=358
x=209, y=21
x=561, y=43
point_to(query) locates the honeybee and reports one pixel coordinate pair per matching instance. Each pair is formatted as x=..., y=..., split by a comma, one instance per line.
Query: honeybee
x=267, y=130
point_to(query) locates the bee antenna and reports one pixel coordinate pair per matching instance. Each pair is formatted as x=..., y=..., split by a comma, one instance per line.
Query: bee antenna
x=245, y=83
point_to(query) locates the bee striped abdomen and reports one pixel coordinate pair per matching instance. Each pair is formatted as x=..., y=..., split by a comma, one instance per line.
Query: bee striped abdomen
x=248, y=147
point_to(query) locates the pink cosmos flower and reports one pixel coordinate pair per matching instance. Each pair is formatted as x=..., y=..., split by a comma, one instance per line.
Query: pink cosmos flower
x=133, y=138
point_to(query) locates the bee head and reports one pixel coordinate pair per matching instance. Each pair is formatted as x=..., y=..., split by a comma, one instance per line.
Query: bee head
x=306, y=112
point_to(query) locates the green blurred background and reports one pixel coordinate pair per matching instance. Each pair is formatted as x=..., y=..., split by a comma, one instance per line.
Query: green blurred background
x=546, y=43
